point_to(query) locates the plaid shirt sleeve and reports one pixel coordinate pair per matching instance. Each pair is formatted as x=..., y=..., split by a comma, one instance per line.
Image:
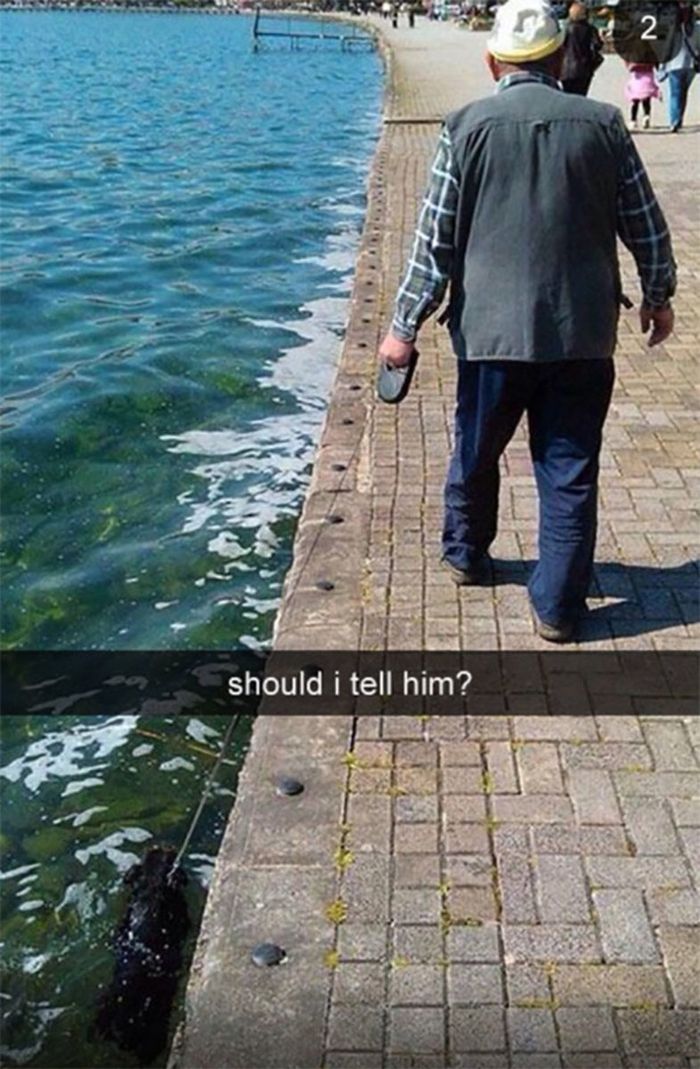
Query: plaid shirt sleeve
x=642, y=227
x=430, y=264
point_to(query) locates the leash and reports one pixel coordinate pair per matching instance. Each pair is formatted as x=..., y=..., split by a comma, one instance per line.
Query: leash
x=209, y=782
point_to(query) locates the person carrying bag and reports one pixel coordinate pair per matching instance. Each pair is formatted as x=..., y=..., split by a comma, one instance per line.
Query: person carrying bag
x=583, y=52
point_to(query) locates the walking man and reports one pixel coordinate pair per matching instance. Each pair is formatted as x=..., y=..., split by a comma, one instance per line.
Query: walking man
x=528, y=191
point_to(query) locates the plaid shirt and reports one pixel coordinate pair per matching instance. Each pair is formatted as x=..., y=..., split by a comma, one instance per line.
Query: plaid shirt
x=640, y=225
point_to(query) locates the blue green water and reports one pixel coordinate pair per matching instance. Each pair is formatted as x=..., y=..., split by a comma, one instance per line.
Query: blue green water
x=180, y=218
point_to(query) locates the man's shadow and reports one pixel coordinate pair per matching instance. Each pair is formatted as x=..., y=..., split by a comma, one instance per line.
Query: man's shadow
x=641, y=598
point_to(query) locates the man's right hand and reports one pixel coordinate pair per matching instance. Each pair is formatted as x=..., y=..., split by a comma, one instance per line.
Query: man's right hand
x=395, y=352
x=662, y=320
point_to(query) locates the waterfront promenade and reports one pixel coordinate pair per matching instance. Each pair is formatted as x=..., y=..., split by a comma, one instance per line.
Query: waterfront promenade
x=501, y=891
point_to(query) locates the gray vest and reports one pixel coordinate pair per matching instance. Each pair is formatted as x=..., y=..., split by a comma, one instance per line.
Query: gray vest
x=536, y=275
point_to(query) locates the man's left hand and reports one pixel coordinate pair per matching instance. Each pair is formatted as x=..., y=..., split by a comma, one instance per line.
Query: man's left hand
x=395, y=352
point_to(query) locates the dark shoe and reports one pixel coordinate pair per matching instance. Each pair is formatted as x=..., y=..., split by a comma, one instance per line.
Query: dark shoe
x=562, y=632
x=476, y=573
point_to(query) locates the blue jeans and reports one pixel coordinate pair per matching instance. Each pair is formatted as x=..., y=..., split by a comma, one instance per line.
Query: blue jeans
x=678, y=85
x=566, y=403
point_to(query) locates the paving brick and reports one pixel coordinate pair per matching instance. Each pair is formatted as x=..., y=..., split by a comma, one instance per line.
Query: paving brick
x=373, y=753
x=414, y=809
x=681, y=953
x=690, y=838
x=587, y=1028
x=647, y=872
x=562, y=888
x=619, y=729
x=356, y=1028
x=460, y=753
x=417, y=985
x=669, y=745
x=671, y=905
x=359, y=982
x=606, y=756
x=466, y=839
x=416, y=754
x=650, y=826
x=475, y=984
x=464, y=808
x=571, y=839
x=539, y=768
x=528, y=986
x=416, y=870
x=686, y=811
x=370, y=780
x=461, y=780
x=416, y=1029
x=417, y=942
x=362, y=942
x=614, y=985
x=625, y=931
x=658, y=784
x=416, y=838
x=366, y=889
x=501, y=768
x=415, y=906
x=660, y=1031
x=477, y=1028
x=531, y=1030
x=551, y=942
x=593, y=796
x=422, y=780
x=556, y=728
x=487, y=725
x=515, y=874
x=468, y=904
x=532, y=809
x=469, y=870
x=473, y=943
x=368, y=809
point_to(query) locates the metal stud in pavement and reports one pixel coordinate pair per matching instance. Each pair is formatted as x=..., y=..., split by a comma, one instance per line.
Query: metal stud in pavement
x=267, y=954
x=288, y=786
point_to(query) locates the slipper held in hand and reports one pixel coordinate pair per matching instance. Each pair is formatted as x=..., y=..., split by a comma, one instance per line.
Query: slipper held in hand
x=393, y=382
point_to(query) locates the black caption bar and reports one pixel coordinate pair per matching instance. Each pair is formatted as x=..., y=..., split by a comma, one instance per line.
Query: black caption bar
x=405, y=683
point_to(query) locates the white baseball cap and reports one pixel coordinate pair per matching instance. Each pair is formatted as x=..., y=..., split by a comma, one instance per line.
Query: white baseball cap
x=524, y=31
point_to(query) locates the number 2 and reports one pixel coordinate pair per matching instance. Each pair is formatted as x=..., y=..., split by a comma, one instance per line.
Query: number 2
x=648, y=34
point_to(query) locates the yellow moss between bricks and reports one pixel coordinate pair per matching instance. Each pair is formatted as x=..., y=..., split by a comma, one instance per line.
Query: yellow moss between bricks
x=336, y=911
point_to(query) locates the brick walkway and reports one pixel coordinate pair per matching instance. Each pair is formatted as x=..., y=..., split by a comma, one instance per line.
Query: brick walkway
x=496, y=892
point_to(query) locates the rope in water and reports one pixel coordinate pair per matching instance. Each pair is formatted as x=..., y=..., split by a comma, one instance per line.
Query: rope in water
x=209, y=782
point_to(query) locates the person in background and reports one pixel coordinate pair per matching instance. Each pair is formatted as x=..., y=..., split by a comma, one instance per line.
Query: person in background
x=530, y=188
x=395, y=15
x=641, y=89
x=682, y=68
x=583, y=50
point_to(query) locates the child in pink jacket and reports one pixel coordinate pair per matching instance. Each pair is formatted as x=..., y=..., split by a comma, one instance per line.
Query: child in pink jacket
x=641, y=89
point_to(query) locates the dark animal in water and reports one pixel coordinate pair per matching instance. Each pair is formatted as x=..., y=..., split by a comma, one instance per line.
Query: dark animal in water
x=134, y=1010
